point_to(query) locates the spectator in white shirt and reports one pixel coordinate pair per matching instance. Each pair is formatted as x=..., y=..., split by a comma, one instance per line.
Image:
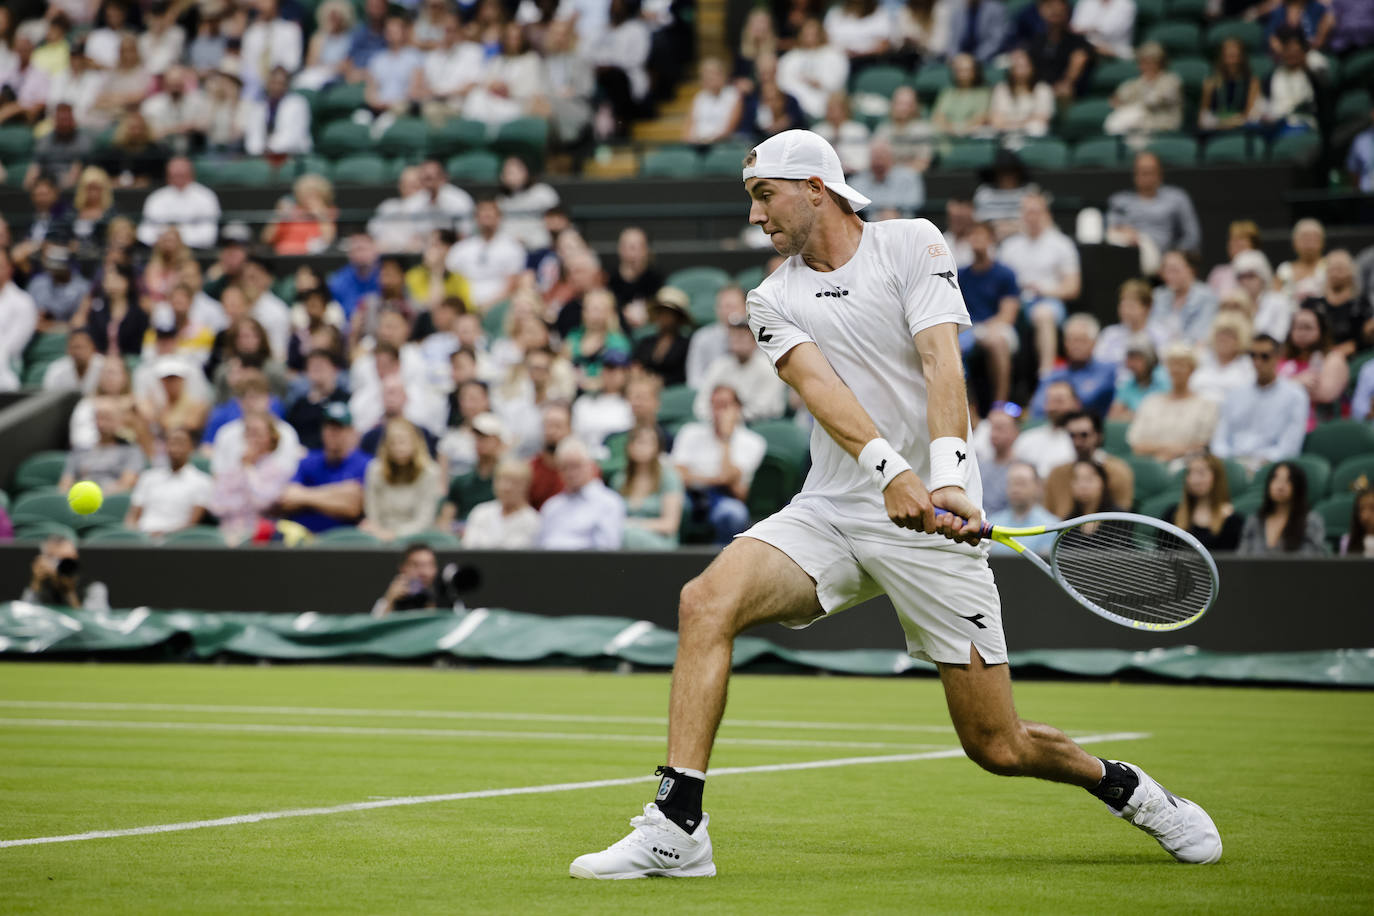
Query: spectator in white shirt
x=859, y=28
x=896, y=191
x=267, y=307
x=715, y=107
x=228, y=447
x=491, y=260
x=172, y=494
x=18, y=319
x=269, y=42
x=717, y=460
x=394, y=226
x=620, y=58
x=280, y=123
x=812, y=70
x=393, y=71
x=1047, y=269
x=179, y=114
x=184, y=203
x=1048, y=445
x=80, y=369
x=587, y=514
x=1226, y=365
x=1133, y=309
x=450, y=71
x=746, y=370
x=1021, y=104
x=511, y=82
x=507, y=522
x=596, y=415
x=438, y=204
x=162, y=40
x=1106, y=24
x=711, y=342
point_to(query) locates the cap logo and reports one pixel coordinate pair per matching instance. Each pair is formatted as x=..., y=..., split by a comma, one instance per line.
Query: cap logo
x=752, y=159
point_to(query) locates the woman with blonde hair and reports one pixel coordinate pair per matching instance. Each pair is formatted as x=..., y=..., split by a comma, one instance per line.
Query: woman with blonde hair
x=306, y=221
x=1225, y=365
x=94, y=204
x=113, y=386
x=402, y=489
x=328, y=51
x=164, y=265
x=598, y=334
x=1305, y=275
x=1169, y=425
x=1205, y=509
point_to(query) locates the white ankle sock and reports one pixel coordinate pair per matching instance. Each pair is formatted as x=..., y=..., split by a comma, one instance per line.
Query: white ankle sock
x=695, y=774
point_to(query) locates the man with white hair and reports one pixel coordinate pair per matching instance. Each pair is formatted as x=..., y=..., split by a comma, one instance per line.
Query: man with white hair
x=1273, y=310
x=587, y=515
x=897, y=191
x=1094, y=382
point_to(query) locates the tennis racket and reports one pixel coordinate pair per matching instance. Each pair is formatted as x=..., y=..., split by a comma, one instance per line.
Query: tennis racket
x=1131, y=569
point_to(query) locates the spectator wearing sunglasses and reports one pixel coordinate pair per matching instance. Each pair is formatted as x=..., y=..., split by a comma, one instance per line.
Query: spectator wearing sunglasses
x=1267, y=421
x=1085, y=432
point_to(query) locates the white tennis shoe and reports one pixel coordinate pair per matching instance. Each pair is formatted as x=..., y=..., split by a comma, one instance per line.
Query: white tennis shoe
x=655, y=847
x=1180, y=826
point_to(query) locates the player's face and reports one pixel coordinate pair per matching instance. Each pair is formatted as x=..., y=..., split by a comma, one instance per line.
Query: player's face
x=783, y=211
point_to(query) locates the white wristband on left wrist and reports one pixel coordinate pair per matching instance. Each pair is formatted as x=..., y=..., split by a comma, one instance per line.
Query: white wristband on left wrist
x=881, y=460
x=949, y=463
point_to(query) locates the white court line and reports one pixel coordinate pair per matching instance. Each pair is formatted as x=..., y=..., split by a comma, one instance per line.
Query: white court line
x=273, y=729
x=460, y=714
x=499, y=793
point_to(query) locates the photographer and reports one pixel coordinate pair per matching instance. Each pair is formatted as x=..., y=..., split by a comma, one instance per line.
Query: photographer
x=57, y=579
x=419, y=585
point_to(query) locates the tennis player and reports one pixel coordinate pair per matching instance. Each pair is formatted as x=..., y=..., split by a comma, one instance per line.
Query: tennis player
x=862, y=320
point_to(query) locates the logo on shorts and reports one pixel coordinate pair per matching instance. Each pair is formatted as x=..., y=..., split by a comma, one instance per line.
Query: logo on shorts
x=949, y=277
x=976, y=620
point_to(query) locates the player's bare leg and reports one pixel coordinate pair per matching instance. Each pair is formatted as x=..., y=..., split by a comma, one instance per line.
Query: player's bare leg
x=1000, y=741
x=749, y=583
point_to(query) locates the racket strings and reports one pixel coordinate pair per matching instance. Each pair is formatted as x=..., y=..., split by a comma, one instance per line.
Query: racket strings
x=1134, y=570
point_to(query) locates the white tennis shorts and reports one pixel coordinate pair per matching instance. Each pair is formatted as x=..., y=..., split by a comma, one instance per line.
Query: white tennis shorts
x=946, y=599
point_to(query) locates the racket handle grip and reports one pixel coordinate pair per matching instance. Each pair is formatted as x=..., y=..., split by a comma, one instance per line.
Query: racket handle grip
x=984, y=531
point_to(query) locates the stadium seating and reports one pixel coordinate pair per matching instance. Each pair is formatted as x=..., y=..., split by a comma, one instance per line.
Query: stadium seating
x=724, y=160
x=1151, y=477
x=675, y=405
x=1229, y=148
x=405, y=137
x=345, y=537
x=477, y=165
x=1044, y=153
x=1175, y=150
x=1114, y=437
x=1335, y=513
x=527, y=138
x=750, y=277
x=673, y=162
x=1178, y=38
x=701, y=285
x=1084, y=119
x=1337, y=440
x=1317, y=469
x=1156, y=506
x=968, y=155
x=195, y=536
x=1296, y=148
x=361, y=169
x=39, y=471
x=1251, y=33
x=1350, y=470
x=38, y=531
x=456, y=136
x=438, y=540
x=342, y=138
x=16, y=143
x=111, y=536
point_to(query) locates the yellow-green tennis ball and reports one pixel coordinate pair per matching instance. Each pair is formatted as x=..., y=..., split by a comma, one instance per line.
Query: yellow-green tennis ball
x=85, y=497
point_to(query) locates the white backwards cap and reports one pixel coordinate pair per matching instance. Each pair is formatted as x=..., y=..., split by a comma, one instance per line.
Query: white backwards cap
x=802, y=154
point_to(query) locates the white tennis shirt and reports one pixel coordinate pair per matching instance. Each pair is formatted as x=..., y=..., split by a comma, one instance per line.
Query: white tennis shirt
x=863, y=317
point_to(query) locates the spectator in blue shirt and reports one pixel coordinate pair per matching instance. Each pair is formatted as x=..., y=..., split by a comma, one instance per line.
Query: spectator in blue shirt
x=392, y=70
x=978, y=27
x=587, y=515
x=327, y=491
x=993, y=299
x=1183, y=307
x=1141, y=375
x=1360, y=161
x=1362, y=402
x=361, y=276
x=1312, y=18
x=252, y=394
x=1093, y=382
x=1267, y=421
x=367, y=35
x=1023, y=510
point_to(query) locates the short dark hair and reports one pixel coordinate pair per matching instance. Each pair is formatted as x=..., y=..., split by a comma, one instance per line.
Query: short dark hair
x=1265, y=338
x=412, y=550
x=386, y=347
x=320, y=353
x=1085, y=415
x=83, y=331
x=394, y=261
x=463, y=351
x=1288, y=33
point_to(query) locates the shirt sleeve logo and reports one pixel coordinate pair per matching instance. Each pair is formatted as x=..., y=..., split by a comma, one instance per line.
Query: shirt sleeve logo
x=938, y=250
x=949, y=277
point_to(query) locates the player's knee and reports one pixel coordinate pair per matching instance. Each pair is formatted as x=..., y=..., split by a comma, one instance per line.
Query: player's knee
x=994, y=752
x=700, y=606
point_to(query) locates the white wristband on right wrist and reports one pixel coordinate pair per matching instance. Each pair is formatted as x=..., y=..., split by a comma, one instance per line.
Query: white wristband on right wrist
x=948, y=463
x=883, y=462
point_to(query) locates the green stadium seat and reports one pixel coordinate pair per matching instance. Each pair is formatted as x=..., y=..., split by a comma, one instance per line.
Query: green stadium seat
x=1354, y=105
x=1230, y=148
x=930, y=79
x=1151, y=478
x=1317, y=469
x=1335, y=513
x=1178, y=38
x=16, y=143
x=1099, y=152
x=1237, y=478
x=494, y=321
x=1350, y=470
x=341, y=138
x=701, y=285
x=1337, y=440
x=675, y=404
x=111, y=513
x=774, y=484
x=1174, y=150
x=39, y=531
x=673, y=162
x=345, y=537
x=108, y=534
x=880, y=80
x=406, y=137
x=1196, y=10
x=435, y=540
x=43, y=506
x=1192, y=71
x=39, y=471
x=1114, y=437
x=750, y=277
x=4, y=501
x=725, y=160
x=968, y=155
x=46, y=347
x=1247, y=503
x=312, y=164
x=338, y=101
x=245, y=173
x=200, y=463
x=1157, y=505
x=527, y=138
x=361, y=169
x=1084, y=119
x=1251, y=33
x=15, y=170
x=1358, y=69
x=1044, y=153
x=785, y=439
x=1296, y=148
x=34, y=372
x=1109, y=74
x=1147, y=13
x=479, y=165
x=456, y=136
x=195, y=536
x=1262, y=66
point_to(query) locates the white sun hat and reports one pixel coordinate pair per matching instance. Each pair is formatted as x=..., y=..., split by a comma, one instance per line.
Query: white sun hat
x=802, y=154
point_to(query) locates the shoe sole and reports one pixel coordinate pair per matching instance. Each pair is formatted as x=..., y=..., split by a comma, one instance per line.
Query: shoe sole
x=695, y=871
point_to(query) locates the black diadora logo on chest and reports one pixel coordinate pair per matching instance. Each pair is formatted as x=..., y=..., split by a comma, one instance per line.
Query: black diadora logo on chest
x=833, y=292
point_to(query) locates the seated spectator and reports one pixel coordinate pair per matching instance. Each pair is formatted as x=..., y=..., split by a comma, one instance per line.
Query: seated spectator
x=360, y=277
x=178, y=114
x=327, y=53
x=511, y=84
x=184, y=203
x=161, y=43
x=572, y=83
x=601, y=413
x=247, y=488
x=1001, y=187
x=1152, y=102
x=470, y=399
x=1154, y=217
x=621, y=77
x=226, y=110
x=1020, y=105
x=453, y=67
x=896, y=191
x=962, y=109
x=1231, y=96
x=544, y=479
x=747, y=372
x=180, y=399
x=1183, y=308
x=712, y=341
x=586, y=514
x=306, y=222
x=172, y=494
x=94, y=209
x=995, y=449
x=980, y=28
x=127, y=82
x=1356, y=30
x=396, y=403
x=1092, y=381
x=1141, y=375
x=59, y=290
x=491, y=260
x=305, y=410
x=599, y=334
x=523, y=200
x=112, y=463
x=18, y=319
x=1285, y=522
x=1090, y=489
x=1359, y=161
x=1305, y=275
x=507, y=522
x=60, y=152
x=1225, y=365
x=1309, y=359
x=1205, y=511
x=1270, y=310
x=1267, y=422
x=665, y=354
x=80, y=369
x=246, y=347
x=1292, y=89
x=55, y=579
x=912, y=137
x=644, y=392
x=475, y=486
x=316, y=324
x=1133, y=310
x=224, y=431
x=1062, y=58
x=859, y=29
x=439, y=204
x=164, y=265
x=1349, y=315
x=417, y=586
x=923, y=28
x=392, y=70
x=994, y=300
x=1106, y=24
x=401, y=489
x=273, y=42
x=1048, y=445
x=1085, y=432
x=114, y=386
x=391, y=308
x=1242, y=235
x=1362, y=401
x=812, y=71
x=847, y=136
x=1313, y=21
x=717, y=460
x=1023, y=510
x=430, y=282
x=1169, y=425
x=1047, y=270
x=327, y=489
x=716, y=106
x=652, y=490
x=769, y=110
x=266, y=307
x=1359, y=540
x=396, y=225
x=635, y=281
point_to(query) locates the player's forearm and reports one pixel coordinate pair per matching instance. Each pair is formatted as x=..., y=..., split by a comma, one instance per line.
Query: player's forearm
x=828, y=398
x=946, y=399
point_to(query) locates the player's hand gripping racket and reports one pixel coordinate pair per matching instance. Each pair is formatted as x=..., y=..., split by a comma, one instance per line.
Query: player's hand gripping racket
x=1131, y=569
